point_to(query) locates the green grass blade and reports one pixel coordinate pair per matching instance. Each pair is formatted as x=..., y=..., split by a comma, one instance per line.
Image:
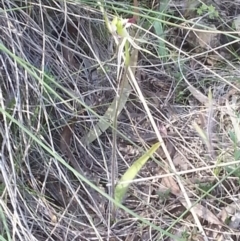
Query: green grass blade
x=130, y=174
x=160, y=33
x=159, y=29
x=2, y=238
x=4, y=222
x=108, y=117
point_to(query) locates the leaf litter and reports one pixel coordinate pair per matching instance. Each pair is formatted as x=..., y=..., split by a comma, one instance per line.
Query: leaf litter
x=194, y=153
x=198, y=208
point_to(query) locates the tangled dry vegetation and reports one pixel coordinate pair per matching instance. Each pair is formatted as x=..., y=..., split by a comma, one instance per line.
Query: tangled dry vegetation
x=58, y=77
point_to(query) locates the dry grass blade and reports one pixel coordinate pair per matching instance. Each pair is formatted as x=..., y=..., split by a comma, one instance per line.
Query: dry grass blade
x=210, y=123
x=232, y=112
x=205, y=135
x=59, y=56
x=201, y=133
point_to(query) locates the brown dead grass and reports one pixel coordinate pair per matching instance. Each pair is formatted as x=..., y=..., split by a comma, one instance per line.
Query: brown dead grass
x=43, y=200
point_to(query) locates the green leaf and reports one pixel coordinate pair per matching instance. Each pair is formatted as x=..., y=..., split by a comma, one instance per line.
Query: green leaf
x=158, y=25
x=132, y=171
x=204, y=7
x=199, y=11
x=211, y=9
x=237, y=155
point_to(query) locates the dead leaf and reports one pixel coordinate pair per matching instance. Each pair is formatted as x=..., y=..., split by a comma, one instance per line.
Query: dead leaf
x=207, y=39
x=213, y=59
x=223, y=215
x=180, y=162
x=70, y=33
x=65, y=143
x=189, y=7
x=163, y=130
x=231, y=210
x=203, y=213
x=170, y=183
x=233, y=207
x=170, y=148
x=66, y=136
x=198, y=95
